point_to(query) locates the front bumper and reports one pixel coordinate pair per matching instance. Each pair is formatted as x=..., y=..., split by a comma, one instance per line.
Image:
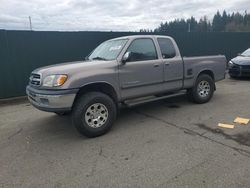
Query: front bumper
x=239, y=70
x=51, y=100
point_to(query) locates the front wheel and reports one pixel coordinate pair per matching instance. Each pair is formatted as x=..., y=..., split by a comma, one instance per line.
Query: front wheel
x=203, y=90
x=94, y=114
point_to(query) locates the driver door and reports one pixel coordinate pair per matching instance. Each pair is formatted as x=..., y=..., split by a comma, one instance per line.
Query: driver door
x=142, y=74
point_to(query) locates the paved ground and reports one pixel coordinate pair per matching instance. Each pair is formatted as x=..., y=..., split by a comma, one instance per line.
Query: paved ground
x=171, y=143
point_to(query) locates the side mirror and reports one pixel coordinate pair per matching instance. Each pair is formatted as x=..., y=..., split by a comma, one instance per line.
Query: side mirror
x=126, y=57
x=238, y=54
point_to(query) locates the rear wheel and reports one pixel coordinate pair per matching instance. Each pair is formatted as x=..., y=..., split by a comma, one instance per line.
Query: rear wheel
x=94, y=114
x=203, y=90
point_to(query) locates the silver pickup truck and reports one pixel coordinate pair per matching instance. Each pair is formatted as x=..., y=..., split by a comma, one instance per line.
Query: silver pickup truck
x=122, y=71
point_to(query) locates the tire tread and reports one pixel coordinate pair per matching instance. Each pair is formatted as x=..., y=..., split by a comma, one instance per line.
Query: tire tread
x=81, y=104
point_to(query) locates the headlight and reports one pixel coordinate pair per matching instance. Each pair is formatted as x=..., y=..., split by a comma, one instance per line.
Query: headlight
x=230, y=64
x=54, y=80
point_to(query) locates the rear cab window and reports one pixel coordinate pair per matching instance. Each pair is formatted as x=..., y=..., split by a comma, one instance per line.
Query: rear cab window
x=167, y=48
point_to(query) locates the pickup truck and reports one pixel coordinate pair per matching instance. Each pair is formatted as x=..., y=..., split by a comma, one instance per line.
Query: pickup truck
x=124, y=71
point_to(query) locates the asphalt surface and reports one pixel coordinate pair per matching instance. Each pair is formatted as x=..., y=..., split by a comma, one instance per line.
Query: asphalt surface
x=169, y=143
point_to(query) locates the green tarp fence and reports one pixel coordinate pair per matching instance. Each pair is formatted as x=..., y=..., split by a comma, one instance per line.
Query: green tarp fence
x=23, y=51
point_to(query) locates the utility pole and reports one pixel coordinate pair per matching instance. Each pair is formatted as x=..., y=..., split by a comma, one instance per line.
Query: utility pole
x=30, y=23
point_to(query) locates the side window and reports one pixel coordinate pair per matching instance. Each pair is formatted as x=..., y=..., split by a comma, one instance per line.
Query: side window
x=142, y=50
x=167, y=48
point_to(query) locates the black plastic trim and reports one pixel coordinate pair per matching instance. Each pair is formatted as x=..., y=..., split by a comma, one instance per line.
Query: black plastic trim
x=52, y=92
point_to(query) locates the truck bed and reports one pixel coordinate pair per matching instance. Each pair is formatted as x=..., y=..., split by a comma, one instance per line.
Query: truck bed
x=193, y=66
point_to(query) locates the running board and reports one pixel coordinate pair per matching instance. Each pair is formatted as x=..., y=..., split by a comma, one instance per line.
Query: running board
x=138, y=101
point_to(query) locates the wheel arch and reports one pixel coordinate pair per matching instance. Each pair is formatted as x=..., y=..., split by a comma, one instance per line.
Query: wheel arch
x=208, y=72
x=103, y=87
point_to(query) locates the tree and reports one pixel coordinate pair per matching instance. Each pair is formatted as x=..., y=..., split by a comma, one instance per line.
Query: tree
x=217, y=22
x=234, y=22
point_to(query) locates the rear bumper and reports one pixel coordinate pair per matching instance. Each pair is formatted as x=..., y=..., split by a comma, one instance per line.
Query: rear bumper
x=51, y=100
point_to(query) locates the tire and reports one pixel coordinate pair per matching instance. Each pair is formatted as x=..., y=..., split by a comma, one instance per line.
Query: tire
x=203, y=95
x=94, y=114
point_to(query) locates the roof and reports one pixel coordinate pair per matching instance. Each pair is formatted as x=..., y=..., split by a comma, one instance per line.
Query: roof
x=140, y=36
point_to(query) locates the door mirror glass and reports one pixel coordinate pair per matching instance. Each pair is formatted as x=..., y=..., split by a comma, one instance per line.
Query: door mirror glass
x=126, y=57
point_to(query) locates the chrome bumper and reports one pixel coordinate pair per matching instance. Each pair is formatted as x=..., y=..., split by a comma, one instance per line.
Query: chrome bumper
x=52, y=101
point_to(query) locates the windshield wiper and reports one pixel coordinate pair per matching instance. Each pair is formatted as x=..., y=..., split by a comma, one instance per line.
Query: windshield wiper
x=99, y=58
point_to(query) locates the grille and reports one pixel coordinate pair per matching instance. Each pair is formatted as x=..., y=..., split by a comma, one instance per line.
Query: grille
x=245, y=67
x=35, y=79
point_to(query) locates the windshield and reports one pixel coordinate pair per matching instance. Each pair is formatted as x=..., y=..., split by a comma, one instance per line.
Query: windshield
x=108, y=50
x=246, y=53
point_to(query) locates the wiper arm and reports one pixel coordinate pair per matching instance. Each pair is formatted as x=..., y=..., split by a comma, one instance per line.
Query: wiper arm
x=99, y=58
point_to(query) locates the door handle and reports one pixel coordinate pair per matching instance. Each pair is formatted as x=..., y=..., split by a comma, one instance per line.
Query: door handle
x=156, y=65
x=167, y=64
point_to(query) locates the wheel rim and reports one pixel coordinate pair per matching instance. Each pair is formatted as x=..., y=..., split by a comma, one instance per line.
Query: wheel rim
x=96, y=115
x=203, y=89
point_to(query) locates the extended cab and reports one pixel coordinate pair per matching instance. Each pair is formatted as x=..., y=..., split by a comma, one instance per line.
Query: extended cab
x=122, y=71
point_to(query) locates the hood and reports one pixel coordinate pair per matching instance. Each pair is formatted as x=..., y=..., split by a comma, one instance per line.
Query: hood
x=241, y=60
x=70, y=68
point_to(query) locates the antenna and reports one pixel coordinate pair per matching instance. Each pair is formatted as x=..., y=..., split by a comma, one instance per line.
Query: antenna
x=30, y=23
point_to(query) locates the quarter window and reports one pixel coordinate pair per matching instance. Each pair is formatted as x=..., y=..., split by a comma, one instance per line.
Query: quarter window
x=142, y=50
x=167, y=48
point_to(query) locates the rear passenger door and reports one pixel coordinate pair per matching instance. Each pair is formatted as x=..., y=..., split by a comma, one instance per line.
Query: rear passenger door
x=143, y=73
x=173, y=64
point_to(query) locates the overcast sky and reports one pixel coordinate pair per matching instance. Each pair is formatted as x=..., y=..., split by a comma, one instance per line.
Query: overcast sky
x=106, y=15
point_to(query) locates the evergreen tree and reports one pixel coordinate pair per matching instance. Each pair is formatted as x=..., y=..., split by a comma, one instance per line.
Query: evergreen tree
x=234, y=22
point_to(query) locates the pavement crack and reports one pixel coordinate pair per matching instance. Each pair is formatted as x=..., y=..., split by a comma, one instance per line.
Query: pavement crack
x=100, y=151
x=243, y=152
x=101, y=154
x=241, y=138
x=16, y=133
x=93, y=169
x=94, y=165
x=186, y=130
